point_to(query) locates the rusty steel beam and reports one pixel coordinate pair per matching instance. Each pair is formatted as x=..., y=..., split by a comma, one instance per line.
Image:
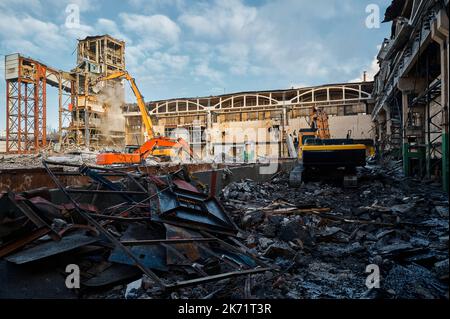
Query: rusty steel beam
x=11, y=247
x=166, y=241
x=104, y=232
x=201, y=280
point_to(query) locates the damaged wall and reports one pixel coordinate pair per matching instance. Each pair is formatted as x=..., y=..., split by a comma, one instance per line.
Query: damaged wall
x=411, y=89
x=258, y=123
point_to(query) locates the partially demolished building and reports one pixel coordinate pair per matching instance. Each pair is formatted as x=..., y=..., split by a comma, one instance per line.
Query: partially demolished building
x=83, y=115
x=248, y=125
x=97, y=56
x=411, y=89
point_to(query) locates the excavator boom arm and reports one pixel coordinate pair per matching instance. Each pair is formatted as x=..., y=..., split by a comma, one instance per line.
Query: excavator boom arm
x=141, y=104
x=152, y=144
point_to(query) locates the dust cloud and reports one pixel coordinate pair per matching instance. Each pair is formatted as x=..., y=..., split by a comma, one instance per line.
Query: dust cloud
x=112, y=97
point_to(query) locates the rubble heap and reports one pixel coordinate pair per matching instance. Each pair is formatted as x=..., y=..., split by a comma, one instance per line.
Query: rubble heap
x=322, y=237
x=135, y=235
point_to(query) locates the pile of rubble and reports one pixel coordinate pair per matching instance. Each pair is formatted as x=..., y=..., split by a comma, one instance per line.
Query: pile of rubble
x=135, y=235
x=127, y=235
x=322, y=237
x=14, y=161
x=20, y=161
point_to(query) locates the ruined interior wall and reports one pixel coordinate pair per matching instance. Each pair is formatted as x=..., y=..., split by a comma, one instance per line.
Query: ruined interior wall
x=256, y=135
x=361, y=126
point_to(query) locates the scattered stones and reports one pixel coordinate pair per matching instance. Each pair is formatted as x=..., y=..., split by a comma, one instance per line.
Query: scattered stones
x=442, y=211
x=252, y=218
x=403, y=208
x=412, y=282
x=293, y=230
x=399, y=224
x=395, y=248
x=265, y=242
x=279, y=250
x=442, y=268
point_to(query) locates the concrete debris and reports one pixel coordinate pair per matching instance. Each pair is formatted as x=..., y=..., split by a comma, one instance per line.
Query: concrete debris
x=441, y=268
x=277, y=250
x=132, y=287
x=111, y=228
x=141, y=236
x=323, y=236
x=442, y=211
x=414, y=281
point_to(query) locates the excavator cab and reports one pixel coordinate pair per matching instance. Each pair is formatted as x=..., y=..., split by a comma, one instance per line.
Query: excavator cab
x=321, y=156
x=129, y=149
x=304, y=135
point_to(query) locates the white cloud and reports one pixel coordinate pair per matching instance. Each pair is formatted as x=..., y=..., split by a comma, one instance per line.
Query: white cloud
x=205, y=71
x=261, y=40
x=278, y=38
x=164, y=62
x=158, y=27
x=110, y=27
x=220, y=19
x=29, y=35
x=79, y=32
x=371, y=70
x=83, y=5
x=152, y=5
x=299, y=85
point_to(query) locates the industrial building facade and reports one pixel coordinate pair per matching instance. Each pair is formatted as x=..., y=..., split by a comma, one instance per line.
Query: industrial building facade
x=82, y=113
x=249, y=125
x=411, y=89
x=96, y=56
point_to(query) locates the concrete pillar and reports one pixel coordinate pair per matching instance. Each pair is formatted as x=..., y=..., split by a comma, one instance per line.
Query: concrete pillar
x=208, y=133
x=381, y=123
x=405, y=144
x=440, y=34
x=388, y=122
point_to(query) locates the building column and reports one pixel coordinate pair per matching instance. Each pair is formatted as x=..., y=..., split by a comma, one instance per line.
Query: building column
x=405, y=144
x=407, y=86
x=381, y=127
x=388, y=124
x=440, y=34
x=208, y=134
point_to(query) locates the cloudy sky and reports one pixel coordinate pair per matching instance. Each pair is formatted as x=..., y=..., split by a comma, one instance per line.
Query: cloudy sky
x=181, y=48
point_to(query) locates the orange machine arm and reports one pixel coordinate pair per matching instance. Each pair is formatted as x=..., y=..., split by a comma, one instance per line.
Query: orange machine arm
x=140, y=100
x=150, y=145
x=319, y=120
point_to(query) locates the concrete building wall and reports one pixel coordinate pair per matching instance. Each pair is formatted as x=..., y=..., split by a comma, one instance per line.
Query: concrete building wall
x=259, y=122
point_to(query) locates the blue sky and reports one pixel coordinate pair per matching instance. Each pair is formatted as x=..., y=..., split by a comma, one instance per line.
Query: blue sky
x=184, y=48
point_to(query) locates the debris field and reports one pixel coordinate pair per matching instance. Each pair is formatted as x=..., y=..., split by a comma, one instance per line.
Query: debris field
x=133, y=235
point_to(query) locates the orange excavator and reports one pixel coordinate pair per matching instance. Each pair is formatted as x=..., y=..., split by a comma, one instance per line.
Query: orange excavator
x=158, y=146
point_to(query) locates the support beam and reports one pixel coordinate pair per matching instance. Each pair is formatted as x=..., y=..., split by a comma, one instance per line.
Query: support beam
x=440, y=34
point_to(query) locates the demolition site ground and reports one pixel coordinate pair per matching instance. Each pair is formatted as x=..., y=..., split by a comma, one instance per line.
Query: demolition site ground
x=134, y=235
